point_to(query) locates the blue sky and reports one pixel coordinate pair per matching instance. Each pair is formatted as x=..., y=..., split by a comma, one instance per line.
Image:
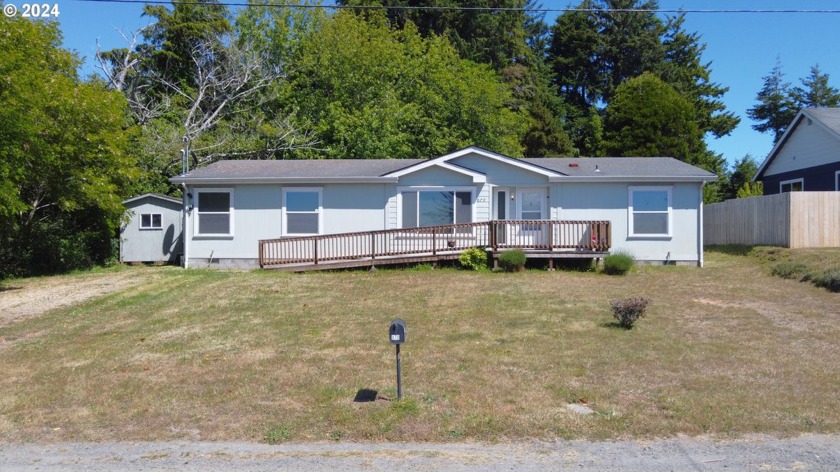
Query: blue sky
x=742, y=47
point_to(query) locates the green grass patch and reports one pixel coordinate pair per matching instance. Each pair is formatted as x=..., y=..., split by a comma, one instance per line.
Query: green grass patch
x=727, y=350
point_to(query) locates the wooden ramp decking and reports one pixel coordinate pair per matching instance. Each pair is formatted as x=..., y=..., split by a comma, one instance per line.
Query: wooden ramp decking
x=542, y=239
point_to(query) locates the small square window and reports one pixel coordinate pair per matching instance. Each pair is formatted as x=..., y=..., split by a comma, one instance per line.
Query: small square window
x=151, y=221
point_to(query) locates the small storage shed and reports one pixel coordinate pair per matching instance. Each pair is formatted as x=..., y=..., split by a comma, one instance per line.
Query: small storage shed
x=152, y=232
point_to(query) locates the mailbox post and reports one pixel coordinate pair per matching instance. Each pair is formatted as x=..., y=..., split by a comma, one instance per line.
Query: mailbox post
x=396, y=334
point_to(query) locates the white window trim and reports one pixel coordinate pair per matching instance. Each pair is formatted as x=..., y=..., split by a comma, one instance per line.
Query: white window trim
x=284, y=212
x=152, y=221
x=801, y=180
x=430, y=188
x=198, y=212
x=631, y=232
x=544, y=208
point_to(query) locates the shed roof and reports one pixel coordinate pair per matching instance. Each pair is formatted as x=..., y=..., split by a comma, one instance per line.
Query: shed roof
x=152, y=195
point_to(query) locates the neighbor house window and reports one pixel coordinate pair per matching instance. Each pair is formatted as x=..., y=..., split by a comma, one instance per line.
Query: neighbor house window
x=302, y=211
x=795, y=185
x=837, y=180
x=151, y=221
x=436, y=207
x=214, y=212
x=650, y=211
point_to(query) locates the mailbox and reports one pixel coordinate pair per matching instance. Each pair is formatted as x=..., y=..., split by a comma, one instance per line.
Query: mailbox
x=397, y=332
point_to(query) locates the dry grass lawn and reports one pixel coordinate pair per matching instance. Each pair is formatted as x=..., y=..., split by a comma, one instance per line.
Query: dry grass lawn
x=726, y=350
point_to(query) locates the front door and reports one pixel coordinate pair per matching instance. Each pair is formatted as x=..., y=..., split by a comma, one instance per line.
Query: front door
x=501, y=211
x=531, y=205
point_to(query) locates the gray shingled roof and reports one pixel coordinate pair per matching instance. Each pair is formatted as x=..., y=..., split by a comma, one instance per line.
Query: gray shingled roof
x=616, y=167
x=620, y=167
x=306, y=168
x=830, y=117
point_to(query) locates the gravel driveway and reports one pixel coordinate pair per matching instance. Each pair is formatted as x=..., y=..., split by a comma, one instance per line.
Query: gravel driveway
x=806, y=453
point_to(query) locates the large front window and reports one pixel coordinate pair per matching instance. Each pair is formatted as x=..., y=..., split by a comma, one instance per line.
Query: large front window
x=650, y=211
x=215, y=212
x=303, y=211
x=435, y=208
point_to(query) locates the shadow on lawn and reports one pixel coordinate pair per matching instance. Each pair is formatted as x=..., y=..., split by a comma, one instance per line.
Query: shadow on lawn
x=731, y=249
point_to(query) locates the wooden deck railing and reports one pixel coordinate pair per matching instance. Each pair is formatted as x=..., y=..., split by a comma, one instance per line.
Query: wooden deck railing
x=548, y=235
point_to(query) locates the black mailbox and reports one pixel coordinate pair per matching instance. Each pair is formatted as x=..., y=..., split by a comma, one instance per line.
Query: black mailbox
x=397, y=331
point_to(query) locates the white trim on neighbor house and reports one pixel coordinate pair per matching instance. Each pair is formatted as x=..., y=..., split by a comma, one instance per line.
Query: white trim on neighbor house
x=442, y=161
x=790, y=182
x=197, y=220
x=632, y=212
x=430, y=188
x=144, y=226
x=285, y=212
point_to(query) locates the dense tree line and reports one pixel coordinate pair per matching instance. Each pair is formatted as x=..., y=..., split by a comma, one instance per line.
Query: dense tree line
x=609, y=77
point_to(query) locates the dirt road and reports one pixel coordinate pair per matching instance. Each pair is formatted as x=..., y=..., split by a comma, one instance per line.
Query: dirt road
x=25, y=298
x=806, y=453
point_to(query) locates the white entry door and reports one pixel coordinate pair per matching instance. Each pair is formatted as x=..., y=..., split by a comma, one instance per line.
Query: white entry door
x=531, y=205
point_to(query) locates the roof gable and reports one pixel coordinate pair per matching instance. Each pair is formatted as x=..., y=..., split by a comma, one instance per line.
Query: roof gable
x=828, y=119
x=444, y=161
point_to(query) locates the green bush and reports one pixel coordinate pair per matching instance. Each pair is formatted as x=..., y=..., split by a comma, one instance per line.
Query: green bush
x=628, y=310
x=618, y=263
x=829, y=279
x=474, y=258
x=789, y=270
x=513, y=260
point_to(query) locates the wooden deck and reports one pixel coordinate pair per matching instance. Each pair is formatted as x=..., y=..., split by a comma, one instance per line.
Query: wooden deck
x=543, y=239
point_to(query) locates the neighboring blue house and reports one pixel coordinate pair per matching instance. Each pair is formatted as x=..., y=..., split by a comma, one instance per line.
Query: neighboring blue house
x=653, y=206
x=807, y=156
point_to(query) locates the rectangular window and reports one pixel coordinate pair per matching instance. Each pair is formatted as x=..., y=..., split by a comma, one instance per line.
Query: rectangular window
x=650, y=211
x=436, y=208
x=151, y=221
x=837, y=180
x=214, y=212
x=796, y=185
x=302, y=211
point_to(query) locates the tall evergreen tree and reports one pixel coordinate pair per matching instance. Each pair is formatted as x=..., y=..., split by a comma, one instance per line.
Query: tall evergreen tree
x=682, y=68
x=648, y=117
x=177, y=34
x=775, y=109
x=815, y=91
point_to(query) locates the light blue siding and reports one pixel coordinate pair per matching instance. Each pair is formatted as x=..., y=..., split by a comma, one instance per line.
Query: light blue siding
x=501, y=173
x=151, y=245
x=436, y=176
x=610, y=201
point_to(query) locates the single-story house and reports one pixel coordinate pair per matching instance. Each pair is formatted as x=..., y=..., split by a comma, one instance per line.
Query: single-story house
x=654, y=205
x=152, y=230
x=807, y=156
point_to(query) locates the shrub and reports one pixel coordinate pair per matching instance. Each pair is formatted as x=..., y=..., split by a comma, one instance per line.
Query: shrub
x=513, y=260
x=618, y=263
x=789, y=270
x=628, y=310
x=829, y=279
x=474, y=258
